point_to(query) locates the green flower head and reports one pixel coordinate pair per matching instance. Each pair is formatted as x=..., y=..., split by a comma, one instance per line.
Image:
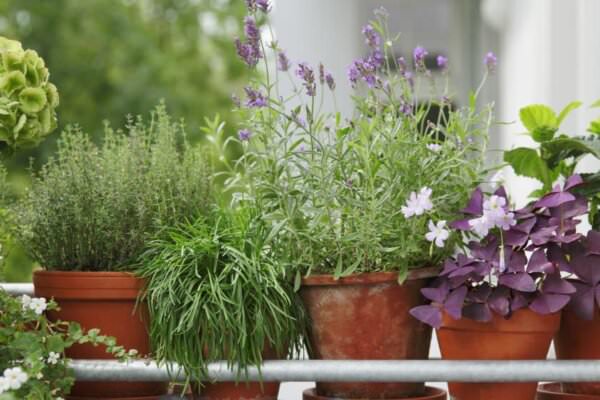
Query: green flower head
x=28, y=100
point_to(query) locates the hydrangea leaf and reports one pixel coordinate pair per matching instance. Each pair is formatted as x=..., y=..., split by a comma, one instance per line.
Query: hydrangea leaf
x=527, y=162
x=567, y=110
x=540, y=120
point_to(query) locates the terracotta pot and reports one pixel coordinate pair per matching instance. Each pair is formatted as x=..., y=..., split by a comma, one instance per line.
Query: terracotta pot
x=242, y=390
x=365, y=317
x=577, y=339
x=107, y=301
x=553, y=391
x=524, y=336
x=430, y=393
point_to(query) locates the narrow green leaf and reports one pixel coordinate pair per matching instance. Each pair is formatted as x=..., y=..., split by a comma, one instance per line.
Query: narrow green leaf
x=567, y=110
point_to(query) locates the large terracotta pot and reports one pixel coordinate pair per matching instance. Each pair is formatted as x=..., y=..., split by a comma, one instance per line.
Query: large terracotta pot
x=553, y=391
x=366, y=317
x=577, y=339
x=430, y=393
x=526, y=335
x=107, y=301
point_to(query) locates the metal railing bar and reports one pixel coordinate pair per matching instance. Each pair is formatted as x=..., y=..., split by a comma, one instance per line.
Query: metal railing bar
x=356, y=370
x=18, y=289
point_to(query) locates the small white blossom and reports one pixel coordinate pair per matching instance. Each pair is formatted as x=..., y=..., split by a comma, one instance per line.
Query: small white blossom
x=494, y=205
x=3, y=385
x=417, y=204
x=25, y=301
x=53, y=358
x=38, y=305
x=434, y=147
x=506, y=220
x=481, y=226
x=15, y=378
x=437, y=233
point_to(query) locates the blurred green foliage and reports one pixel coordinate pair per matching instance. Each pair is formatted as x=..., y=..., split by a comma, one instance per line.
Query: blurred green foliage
x=110, y=58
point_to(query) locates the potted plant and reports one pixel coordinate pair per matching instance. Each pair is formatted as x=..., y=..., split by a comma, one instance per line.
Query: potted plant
x=215, y=291
x=361, y=202
x=32, y=361
x=86, y=219
x=501, y=298
x=556, y=157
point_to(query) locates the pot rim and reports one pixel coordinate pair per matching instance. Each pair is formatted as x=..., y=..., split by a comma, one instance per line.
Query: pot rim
x=553, y=390
x=431, y=393
x=521, y=321
x=366, y=278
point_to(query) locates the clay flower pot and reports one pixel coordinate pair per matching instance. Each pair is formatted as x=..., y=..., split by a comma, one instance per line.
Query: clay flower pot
x=524, y=336
x=554, y=391
x=577, y=339
x=239, y=391
x=430, y=393
x=365, y=317
x=107, y=301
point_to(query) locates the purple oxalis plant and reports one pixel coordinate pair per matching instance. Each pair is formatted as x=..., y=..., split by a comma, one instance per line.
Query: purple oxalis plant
x=514, y=259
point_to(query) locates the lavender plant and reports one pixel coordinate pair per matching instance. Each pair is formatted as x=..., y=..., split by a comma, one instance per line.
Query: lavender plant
x=366, y=193
x=514, y=258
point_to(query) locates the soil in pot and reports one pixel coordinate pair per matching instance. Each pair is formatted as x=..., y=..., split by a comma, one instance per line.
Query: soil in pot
x=107, y=301
x=554, y=391
x=430, y=393
x=366, y=317
x=526, y=335
x=577, y=339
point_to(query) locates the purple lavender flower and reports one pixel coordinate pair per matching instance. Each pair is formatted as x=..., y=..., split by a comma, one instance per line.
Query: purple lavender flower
x=251, y=5
x=442, y=62
x=247, y=53
x=264, y=5
x=401, y=65
x=353, y=73
x=244, y=135
x=408, y=76
x=306, y=73
x=330, y=81
x=283, y=63
x=236, y=100
x=321, y=74
x=372, y=38
x=376, y=59
x=255, y=98
x=405, y=108
x=419, y=54
x=490, y=61
x=251, y=30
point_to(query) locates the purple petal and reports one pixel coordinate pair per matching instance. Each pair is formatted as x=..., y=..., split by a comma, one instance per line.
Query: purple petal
x=478, y=312
x=548, y=303
x=516, y=260
x=555, y=284
x=572, y=181
x=525, y=225
x=455, y=301
x=486, y=251
x=582, y=302
x=449, y=266
x=597, y=295
x=571, y=209
x=498, y=301
x=475, y=205
x=543, y=235
x=463, y=271
x=554, y=199
x=593, y=242
x=515, y=238
x=538, y=262
x=461, y=224
x=519, y=300
x=521, y=281
x=480, y=294
x=501, y=192
x=428, y=314
x=587, y=268
x=435, y=294
x=557, y=257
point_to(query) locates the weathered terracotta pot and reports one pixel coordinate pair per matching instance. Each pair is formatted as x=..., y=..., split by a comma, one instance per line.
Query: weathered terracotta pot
x=553, y=391
x=365, y=317
x=577, y=339
x=430, y=393
x=524, y=336
x=107, y=301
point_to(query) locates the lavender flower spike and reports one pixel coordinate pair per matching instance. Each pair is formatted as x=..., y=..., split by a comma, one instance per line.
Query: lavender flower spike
x=442, y=62
x=244, y=135
x=306, y=73
x=264, y=5
x=255, y=98
x=419, y=54
x=372, y=38
x=283, y=62
x=330, y=81
x=490, y=61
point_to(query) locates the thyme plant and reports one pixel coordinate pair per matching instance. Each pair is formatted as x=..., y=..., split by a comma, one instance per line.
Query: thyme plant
x=216, y=291
x=367, y=193
x=92, y=207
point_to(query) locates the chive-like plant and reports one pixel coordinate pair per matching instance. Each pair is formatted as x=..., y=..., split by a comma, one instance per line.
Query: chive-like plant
x=366, y=193
x=92, y=207
x=514, y=258
x=215, y=291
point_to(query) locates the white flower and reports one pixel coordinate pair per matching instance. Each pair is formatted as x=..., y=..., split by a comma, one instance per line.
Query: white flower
x=437, y=233
x=3, y=385
x=434, y=147
x=481, y=226
x=39, y=376
x=53, y=358
x=506, y=220
x=38, y=305
x=25, y=301
x=417, y=204
x=495, y=205
x=15, y=377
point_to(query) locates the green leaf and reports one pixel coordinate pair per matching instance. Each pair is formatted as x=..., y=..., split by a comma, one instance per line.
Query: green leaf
x=567, y=110
x=55, y=343
x=527, y=162
x=557, y=150
x=32, y=99
x=402, y=275
x=594, y=127
x=595, y=104
x=540, y=121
